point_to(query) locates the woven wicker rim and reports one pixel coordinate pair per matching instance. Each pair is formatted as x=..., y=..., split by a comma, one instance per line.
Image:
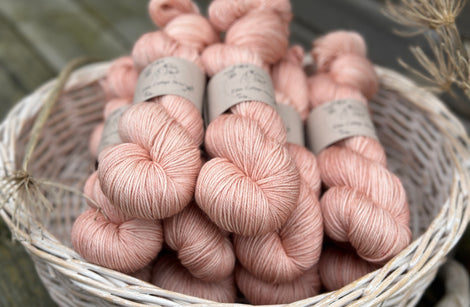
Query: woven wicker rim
x=412, y=263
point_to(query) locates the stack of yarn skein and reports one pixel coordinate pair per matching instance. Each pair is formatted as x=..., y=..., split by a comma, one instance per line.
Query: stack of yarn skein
x=263, y=187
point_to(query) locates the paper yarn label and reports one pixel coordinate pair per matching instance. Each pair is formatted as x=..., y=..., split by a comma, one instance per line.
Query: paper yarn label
x=293, y=123
x=337, y=120
x=110, y=134
x=171, y=76
x=238, y=83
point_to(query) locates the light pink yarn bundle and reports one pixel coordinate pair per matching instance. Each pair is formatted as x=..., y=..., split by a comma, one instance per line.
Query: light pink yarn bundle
x=281, y=266
x=119, y=86
x=365, y=204
x=203, y=249
x=168, y=273
x=110, y=238
x=260, y=292
x=340, y=266
x=152, y=174
x=251, y=184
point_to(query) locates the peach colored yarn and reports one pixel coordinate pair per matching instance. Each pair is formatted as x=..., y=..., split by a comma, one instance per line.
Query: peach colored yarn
x=110, y=239
x=121, y=79
x=144, y=274
x=259, y=292
x=203, y=248
x=251, y=184
x=95, y=138
x=335, y=44
x=125, y=247
x=152, y=174
x=97, y=133
x=365, y=203
x=286, y=254
x=223, y=13
x=346, y=264
x=169, y=274
x=163, y=11
x=119, y=84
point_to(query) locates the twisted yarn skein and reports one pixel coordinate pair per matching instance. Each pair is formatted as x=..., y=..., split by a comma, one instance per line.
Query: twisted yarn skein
x=118, y=86
x=203, y=249
x=152, y=175
x=346, y=265
x=163, y=11
x=121, y=79
x=169, y=274
x=365, y=203
x=259, y=292
x=284, y=255
x=225, y=12
x=110, y=238
x=251, y=184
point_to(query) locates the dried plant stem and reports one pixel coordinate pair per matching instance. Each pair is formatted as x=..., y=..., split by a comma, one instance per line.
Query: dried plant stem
x=28, y=192
x=449, y=62
x=47, y=107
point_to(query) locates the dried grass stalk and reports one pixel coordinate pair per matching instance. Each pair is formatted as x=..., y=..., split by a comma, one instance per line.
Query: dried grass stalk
x=29, y=194
x=449, y=61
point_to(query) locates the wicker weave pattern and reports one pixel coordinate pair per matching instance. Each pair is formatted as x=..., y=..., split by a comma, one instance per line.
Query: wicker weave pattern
x=426, y=145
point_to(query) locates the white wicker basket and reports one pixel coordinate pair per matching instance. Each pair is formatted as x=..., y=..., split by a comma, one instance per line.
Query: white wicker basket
x=426, y=145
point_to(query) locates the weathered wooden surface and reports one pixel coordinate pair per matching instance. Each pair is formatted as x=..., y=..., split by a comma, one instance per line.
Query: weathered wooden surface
x=19, y=284
x=38, y=37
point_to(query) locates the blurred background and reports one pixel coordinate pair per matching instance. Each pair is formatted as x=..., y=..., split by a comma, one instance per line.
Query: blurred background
x=37, y=38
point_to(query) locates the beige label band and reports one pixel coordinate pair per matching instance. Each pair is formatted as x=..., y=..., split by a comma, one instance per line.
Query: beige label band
x=293, y=123
x=238, y=83
x=337, y=120
x=110, y=134
x=171, y=76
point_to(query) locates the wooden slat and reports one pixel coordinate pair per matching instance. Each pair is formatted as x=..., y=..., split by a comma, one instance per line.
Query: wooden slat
x=61, y=30
x=127, y=19
x=20, y=285
x=21, y=66
x=21, y=70
x=11, y=91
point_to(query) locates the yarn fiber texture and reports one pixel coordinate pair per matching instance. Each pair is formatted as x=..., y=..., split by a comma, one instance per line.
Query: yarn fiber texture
x=365, y=204
x=169, y=274
x=280, y=266
x=111, y=239
x=152, y=174
x=250, y=185
x=285, y=254
x=118, y=86
x=260, y=292
x=203, y=249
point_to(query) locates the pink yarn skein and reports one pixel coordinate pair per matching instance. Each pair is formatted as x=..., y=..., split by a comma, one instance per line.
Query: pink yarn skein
x=203, y=248
x=152, y=174
x=365, y=203
x=121, y=79
x=346, y=265
x=111, y=239
x=224, y=13
x=284, y=255
x=259, y=292
x=119, y=85
x=169, y=274
x=251, y=184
